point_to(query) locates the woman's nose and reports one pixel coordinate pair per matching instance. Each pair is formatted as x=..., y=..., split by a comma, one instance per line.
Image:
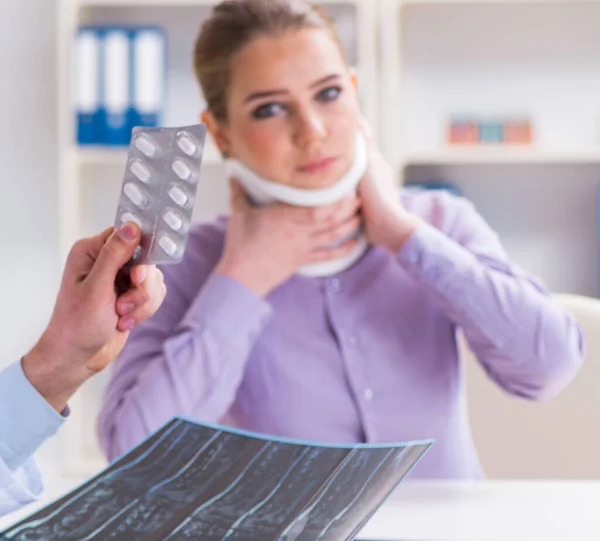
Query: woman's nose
x=310, y=128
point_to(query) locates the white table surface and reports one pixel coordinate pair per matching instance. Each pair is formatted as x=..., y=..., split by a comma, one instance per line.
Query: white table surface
x=459, y=511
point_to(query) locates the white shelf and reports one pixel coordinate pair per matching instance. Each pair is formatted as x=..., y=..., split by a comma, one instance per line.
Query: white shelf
x=179, y=3
x=490, y=2
x=502, y=155
x=107, y=156
x=136, y=3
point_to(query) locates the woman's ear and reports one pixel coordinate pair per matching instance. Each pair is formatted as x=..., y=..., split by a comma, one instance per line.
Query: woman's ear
x=217, y=131
x=354, y=78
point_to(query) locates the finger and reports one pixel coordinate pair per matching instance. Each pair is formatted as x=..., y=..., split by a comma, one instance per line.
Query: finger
x=339, y=213
x=337, y=233
x=138, y=296
x=83, y=255
x=327, y=254
x=135, y=298
x=324, y=216
x=139, y=273
x=143, y=312
x=115, y=253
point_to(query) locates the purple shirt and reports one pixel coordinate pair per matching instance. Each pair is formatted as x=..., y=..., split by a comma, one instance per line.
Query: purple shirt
x=369, y=354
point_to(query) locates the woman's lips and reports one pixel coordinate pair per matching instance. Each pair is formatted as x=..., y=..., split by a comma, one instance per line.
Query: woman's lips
x=317, y=166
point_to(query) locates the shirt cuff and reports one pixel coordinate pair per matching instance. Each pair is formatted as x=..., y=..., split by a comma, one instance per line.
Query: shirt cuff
x=228, y=309
x=431, y=257
x=26, y=418
x=19, y=487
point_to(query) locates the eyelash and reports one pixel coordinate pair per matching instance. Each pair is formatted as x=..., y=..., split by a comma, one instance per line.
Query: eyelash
x=265, y=111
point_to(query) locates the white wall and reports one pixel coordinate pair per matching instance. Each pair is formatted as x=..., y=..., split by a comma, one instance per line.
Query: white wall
x=28, y=260
x=27, y=170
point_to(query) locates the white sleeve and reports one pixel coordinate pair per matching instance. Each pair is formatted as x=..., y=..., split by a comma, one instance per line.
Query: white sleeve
x=20, y=487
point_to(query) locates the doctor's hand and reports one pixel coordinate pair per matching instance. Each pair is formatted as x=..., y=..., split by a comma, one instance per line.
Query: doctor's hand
x=265, y=246
x=91, y=319
x=387, y=222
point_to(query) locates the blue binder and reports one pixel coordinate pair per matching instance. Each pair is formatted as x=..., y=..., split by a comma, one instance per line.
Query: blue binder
x=120, y=76
x=88, y=58
x=116, y=84
x=148, y=52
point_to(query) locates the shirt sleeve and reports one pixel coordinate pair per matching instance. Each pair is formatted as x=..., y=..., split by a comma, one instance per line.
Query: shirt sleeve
x=527, y=343
x=189, y=359
x=26, y=419
x=20, y=487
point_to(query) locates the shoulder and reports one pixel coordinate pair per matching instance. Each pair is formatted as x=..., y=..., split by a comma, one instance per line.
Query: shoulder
x=455, y=216
x=439, y=208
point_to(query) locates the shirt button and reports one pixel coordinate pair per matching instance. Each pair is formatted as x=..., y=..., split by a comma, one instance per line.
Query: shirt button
x=335, y=285
x=369, y=395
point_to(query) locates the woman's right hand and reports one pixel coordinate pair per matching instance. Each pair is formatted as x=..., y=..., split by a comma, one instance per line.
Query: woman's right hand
x=265, y=246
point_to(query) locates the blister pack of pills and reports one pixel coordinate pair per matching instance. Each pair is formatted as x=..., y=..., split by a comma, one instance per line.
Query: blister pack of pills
x=159, y=190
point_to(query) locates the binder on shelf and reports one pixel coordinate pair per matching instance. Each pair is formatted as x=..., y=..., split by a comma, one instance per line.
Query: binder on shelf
x=120, y=82
x=149, y=68
x=87, y=85
x=116, y=95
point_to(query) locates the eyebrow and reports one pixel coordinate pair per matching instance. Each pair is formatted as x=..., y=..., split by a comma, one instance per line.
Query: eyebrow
x=272, y=93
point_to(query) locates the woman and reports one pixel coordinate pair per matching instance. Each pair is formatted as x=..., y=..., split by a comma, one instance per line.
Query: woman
x=367, y=354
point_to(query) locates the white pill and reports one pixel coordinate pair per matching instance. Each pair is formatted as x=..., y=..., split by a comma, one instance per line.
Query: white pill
x=168, y=245
x=130, y=217
x=178, y=195
x=137, y=253
x=182, y=169
x=145, y=145
x=141, y=170
x=135, y=194
x=173, y=220
x=186, y=143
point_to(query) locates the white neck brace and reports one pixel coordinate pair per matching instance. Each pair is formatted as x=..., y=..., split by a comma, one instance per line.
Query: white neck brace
x=262, y=191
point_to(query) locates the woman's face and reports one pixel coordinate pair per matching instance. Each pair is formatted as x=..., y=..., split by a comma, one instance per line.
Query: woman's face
x=292, y=109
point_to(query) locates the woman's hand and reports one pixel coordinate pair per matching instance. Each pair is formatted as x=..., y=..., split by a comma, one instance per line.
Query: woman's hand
x=266, y=246
x=387, y=222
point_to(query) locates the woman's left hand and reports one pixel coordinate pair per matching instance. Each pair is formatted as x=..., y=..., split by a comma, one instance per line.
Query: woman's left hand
x=386, y=221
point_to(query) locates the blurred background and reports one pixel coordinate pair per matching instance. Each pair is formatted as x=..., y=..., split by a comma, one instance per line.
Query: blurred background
x=497, y=101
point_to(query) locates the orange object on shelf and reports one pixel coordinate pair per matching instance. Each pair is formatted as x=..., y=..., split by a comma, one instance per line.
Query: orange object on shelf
x=463, y=132
x=518, y=132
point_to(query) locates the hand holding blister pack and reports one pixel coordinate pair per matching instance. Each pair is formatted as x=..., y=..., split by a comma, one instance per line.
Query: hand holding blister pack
x=159, y=190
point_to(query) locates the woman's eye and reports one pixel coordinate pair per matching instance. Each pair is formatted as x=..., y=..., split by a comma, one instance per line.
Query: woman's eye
x=329, y=94
x=267, y=110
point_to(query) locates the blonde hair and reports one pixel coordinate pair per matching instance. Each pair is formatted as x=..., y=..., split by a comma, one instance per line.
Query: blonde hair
x=232, y=25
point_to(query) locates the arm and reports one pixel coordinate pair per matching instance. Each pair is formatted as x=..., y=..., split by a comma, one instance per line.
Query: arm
x=187, y=360
x=26, y=422
x=527, y=343
x=88, y=327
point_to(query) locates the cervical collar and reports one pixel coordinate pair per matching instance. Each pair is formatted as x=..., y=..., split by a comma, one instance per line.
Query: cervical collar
x=262, y=191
